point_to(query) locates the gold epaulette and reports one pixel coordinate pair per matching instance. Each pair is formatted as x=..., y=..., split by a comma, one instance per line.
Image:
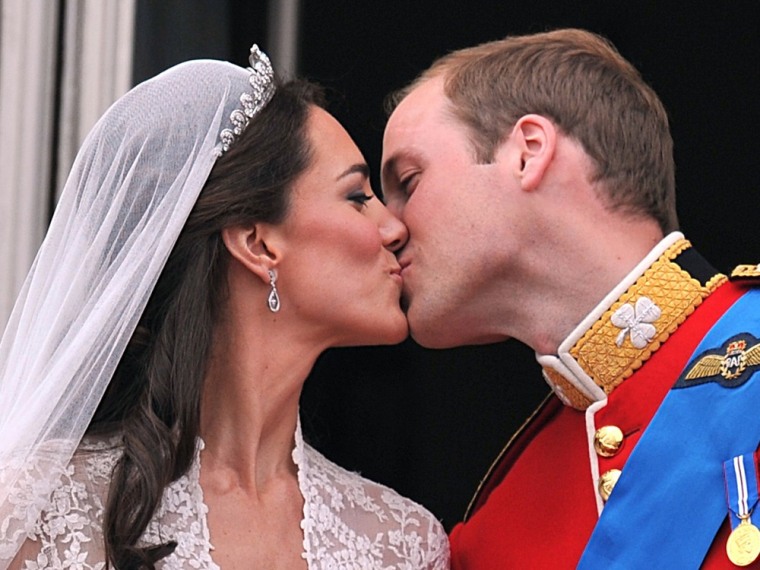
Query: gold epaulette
x=746, y=273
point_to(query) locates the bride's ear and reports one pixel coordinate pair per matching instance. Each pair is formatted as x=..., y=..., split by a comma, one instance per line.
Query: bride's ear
x=255, y=247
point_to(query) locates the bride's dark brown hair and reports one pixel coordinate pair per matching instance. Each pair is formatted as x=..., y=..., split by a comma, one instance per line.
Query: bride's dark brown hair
x=153, y=400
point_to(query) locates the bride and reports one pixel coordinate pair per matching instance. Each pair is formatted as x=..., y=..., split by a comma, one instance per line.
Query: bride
x=216, y=234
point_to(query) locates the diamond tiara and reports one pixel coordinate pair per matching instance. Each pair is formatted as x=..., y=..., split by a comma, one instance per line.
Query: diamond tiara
x=261, y=79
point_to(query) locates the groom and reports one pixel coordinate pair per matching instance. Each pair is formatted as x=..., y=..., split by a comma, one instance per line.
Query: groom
x=536, y=177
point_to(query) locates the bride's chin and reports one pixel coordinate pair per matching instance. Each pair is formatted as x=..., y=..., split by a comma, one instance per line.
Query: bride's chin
x=394, y=332
x=402, y=331
x=393, y=329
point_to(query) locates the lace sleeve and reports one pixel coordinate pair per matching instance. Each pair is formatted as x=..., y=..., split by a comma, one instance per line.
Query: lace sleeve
x=419, y=539
x=68, y=533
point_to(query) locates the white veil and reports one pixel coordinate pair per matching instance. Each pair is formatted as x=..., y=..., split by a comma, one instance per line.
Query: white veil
x=132, y=186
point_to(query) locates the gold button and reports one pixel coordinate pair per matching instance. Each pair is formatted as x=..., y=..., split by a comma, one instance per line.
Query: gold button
x=607, y=482
x=607, y=440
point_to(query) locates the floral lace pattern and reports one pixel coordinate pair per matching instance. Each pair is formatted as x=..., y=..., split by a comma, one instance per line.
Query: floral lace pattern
x=352, y=523
x=26, y=481
x=348, y=521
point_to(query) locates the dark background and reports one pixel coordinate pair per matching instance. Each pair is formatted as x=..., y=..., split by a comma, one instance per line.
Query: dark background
x=430, y=422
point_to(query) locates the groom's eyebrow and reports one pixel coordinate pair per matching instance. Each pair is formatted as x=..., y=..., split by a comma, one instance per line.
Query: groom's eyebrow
x=389, y=167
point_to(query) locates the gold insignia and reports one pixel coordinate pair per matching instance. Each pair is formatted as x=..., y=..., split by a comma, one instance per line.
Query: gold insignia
x=729, y=365
x=746, y=272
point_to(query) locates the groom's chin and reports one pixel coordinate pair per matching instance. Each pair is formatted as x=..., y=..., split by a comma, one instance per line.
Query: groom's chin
x=428, y=336
x=428, y=330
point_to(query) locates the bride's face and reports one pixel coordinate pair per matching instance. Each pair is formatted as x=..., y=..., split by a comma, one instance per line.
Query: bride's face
x=339, y=275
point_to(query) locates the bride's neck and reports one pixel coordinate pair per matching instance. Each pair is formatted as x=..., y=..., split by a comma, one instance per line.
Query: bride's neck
x=249, y=406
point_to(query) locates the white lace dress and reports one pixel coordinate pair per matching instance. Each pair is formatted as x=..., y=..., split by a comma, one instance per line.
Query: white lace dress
x=348, y=521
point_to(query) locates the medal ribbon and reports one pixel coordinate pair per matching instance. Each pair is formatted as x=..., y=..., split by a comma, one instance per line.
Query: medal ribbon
x=741, y=486
x=673, y=479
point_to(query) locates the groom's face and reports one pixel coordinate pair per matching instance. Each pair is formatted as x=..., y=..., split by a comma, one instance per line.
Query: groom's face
x=451, y=205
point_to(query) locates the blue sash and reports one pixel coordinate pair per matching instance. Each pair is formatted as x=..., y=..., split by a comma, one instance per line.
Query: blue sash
x=670, y=500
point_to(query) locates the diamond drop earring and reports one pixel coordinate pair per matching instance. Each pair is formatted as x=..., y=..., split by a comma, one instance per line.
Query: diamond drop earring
x=274, y=299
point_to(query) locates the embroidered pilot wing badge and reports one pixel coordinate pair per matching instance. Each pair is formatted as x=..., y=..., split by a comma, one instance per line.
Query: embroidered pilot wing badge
x=731, y=365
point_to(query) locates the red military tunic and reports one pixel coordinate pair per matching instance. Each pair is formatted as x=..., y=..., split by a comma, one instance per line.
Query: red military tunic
x=539, y=504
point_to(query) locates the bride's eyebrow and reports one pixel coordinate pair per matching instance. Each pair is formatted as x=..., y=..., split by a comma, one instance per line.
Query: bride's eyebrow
x=359, y=167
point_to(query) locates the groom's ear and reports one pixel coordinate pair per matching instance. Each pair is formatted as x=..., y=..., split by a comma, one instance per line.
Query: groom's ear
x=534, y=140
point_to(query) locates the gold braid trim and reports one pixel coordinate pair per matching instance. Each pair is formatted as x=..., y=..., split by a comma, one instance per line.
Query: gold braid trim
x=572, y=396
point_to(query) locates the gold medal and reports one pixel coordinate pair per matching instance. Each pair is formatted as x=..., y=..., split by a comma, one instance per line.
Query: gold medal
x=743, y=546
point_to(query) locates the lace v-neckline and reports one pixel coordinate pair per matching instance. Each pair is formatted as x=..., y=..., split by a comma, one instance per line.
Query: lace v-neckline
x=194, y=482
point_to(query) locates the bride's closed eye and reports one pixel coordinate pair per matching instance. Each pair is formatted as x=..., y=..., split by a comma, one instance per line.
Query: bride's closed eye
x=360, y=198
